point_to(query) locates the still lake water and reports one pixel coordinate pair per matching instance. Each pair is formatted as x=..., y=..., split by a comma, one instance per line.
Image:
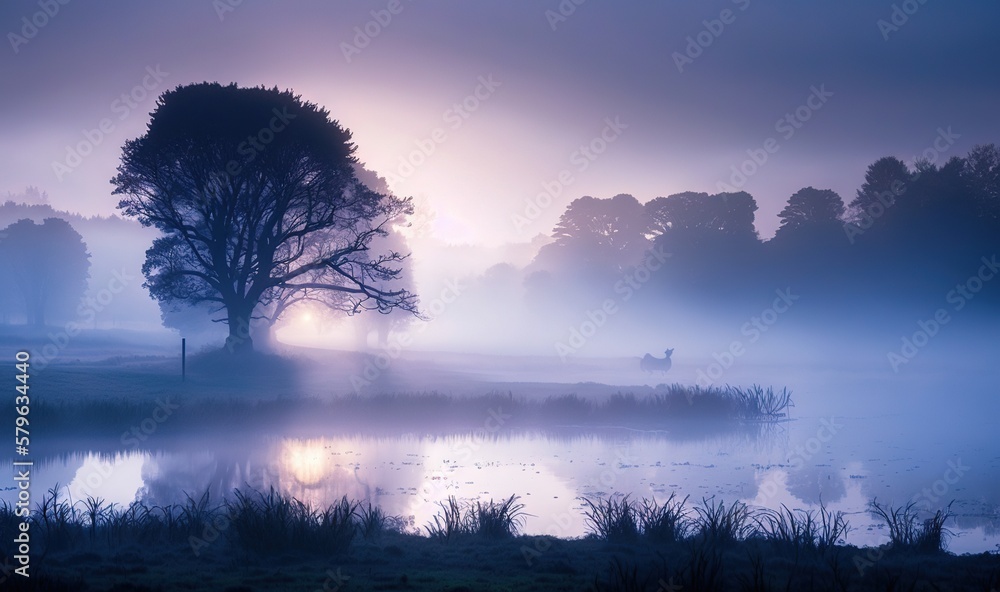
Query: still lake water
x=842, y=445
x=796, y=463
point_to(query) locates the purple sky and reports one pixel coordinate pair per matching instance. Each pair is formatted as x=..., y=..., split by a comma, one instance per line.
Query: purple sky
x=546, y=87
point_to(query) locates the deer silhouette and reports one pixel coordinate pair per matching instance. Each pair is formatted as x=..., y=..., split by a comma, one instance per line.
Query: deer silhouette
x=650, y=363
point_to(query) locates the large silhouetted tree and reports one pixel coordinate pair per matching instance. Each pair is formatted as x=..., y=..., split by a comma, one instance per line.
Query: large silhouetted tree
x=981, y=174
x=711, y=241
x=809, y=247
x=606, y=233
x=885, y=181
x=46, y=266
x=689, y=220
x=256, y=195
x=811, y=209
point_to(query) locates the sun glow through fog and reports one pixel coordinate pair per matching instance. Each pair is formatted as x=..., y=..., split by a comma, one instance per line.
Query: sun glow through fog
x=306, y=461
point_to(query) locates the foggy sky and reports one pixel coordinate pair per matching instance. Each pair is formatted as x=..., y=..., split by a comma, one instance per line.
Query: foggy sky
x=556, y=81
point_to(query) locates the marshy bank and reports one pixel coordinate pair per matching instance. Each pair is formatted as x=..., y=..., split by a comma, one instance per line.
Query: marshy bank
x=675, y=411
x=261, y=540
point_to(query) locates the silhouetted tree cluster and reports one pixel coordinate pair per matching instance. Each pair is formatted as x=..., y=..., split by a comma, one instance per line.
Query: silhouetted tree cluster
x=116, y=248
x=907, y=237
x=45, y=267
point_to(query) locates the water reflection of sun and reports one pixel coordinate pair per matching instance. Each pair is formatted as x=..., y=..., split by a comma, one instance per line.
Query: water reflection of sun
x=306, y=461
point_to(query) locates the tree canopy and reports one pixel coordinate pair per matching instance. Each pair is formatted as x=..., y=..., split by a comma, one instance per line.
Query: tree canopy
x=46, y=266
x=885, y=180
x=256, y=196
x=811, y=209
x=689, y=221
x=607, y=233
x=943, y=216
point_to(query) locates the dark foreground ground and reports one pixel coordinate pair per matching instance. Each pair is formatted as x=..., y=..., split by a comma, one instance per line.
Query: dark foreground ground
x=407, y=562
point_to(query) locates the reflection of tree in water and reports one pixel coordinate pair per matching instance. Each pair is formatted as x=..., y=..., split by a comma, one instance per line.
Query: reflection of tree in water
x=317, y=472
x=168, y=477
x=991, y=523
x=320, y=471
x=761, y=438
x=976, y=514
x=811, y=484
x=976, y=493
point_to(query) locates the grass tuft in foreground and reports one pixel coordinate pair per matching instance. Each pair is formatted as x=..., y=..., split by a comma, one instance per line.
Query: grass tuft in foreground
x=665, y=545
x=666, y=522
x=720, y=525
x=907, y=533
x=613, y=519
x=490, y=520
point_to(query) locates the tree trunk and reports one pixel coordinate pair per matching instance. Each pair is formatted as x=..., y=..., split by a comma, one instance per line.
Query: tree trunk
x=264, y=337
x=239, y=340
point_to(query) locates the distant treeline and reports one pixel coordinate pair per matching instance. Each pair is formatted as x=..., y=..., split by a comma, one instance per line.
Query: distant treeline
x=910, y=243
x=111, y=292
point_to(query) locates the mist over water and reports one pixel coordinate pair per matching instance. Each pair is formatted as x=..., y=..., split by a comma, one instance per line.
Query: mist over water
x=851, y=437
